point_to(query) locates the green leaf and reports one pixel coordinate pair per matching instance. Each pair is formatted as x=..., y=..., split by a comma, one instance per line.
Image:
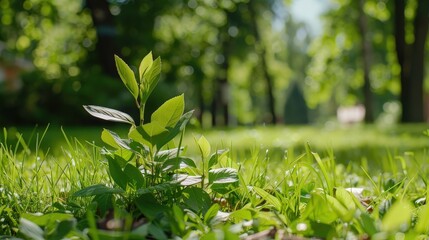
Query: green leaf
x=204, y=146
x=322, y=167
x=169, y=113
x=230, y=234
x=145, y=64
x=319, y=210
x=104, y=203
x=156, y=232
x=153, y=134
x=196, y=199
x=422, y=225
x=211, y=213
x=92, y=224
x=118, y=176
x=173, y=132
x=46, y=219
x=345, y=214
x=63, y=228
x=321, y=230
x=184, y=119
x=187, y=180
x=150, y=79
x=96, y=190
x=138, y=146
x=270, y=199
x=214, y=158
x=242, y=214
x=135, y=177
x=345, y=205
x=153, y=129
x=177, y=163
x=368, y=224
x=345, y=197
x=107, y=138
x=113, y=139
x=137, y=136
x=221, y=178
x=177, y=220
x=149, y=206
x=398, y=214
x=169, y=154
x=127, y=76
x=30, y=229
x=109, y=114
x=121, y=156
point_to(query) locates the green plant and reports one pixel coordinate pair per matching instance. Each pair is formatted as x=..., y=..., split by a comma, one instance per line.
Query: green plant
x=153, y=189
x=149, y=172
x=306, y=195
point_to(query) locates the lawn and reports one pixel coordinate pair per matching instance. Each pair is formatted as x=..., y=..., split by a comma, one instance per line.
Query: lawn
x=157, y=180
x=349, y=142
x=356, y=182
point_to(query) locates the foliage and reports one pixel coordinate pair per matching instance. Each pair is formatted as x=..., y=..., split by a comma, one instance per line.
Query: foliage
x=335, y=74
x=57, y=35
x=195, y=37
x=144, y=186
x=150, y=182
x=41, y=102
x=172, y=28
x=300, y=193
x=220, y=35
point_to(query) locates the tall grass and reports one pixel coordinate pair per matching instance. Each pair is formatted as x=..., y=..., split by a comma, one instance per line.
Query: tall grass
x=298, y=187
x=33, y=180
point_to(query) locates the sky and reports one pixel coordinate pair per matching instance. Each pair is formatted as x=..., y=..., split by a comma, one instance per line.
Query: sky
x=309, y=11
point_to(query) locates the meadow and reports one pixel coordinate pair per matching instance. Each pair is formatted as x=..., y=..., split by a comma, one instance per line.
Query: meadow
x=162, y=179
x=355, y=182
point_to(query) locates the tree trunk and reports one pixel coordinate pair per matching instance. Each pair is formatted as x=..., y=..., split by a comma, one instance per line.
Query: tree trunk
x=366, y=60
x=220, y=102
x=260, y=49
x=417, y=59
x=104, y=24
x=411, y=59
x=202, y=107
x=270, y=91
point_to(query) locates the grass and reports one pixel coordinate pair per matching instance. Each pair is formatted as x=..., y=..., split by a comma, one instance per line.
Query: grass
x=371, y=144
x=35, y=180
x=347, y=140
x=295, y=179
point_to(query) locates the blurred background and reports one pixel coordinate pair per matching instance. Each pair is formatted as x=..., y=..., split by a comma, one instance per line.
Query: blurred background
x=239, y=62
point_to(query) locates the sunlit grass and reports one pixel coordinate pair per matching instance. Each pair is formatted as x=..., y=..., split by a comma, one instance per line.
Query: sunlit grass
x=396, y=138
x=33, y=179
x=285, y=173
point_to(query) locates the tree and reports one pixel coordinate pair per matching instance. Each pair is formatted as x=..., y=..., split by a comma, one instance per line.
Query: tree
x=366, y=62
x=55, y=37
x=197, y=32
x=411, y=58
x=208, y=50
x=213, y=39
x=106, y=47
x=220, y=103
x=261, y=51
x=298, y=39
x=352, y=60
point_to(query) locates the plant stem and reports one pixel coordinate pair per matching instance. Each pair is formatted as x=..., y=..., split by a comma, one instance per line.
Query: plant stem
x=204, y=174
x=141, y=108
